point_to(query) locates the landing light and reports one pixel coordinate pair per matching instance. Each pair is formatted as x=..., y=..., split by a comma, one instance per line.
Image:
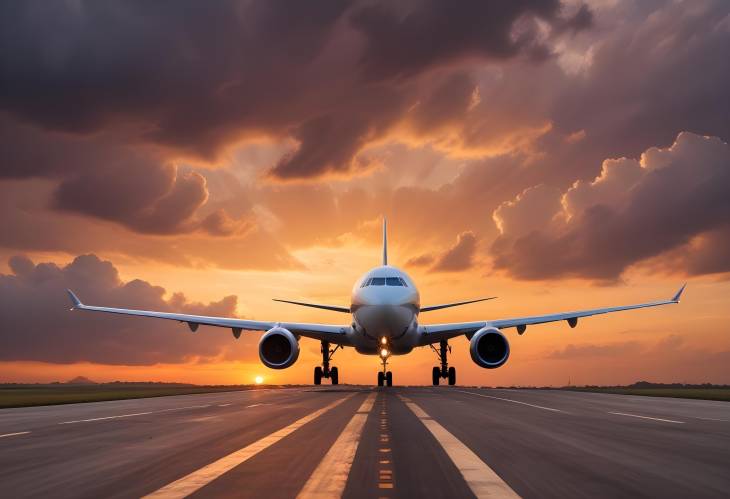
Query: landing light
x=384, y=353
x=383, y=340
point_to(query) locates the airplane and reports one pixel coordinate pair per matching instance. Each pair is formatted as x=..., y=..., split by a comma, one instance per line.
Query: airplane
x=385, y=306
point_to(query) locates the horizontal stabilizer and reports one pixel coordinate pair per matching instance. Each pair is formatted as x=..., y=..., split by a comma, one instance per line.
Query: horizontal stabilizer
x=455, y=304
x=334, y=308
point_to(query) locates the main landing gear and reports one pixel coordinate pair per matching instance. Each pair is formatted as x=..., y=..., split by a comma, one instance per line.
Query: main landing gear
x=324, y=371
x=444, y=371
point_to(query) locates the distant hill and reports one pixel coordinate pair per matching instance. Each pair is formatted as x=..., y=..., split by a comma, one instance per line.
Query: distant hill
x=81, y=380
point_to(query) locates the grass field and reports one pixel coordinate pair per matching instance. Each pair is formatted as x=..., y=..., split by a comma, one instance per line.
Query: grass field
x=32, y=395
x=687, y=393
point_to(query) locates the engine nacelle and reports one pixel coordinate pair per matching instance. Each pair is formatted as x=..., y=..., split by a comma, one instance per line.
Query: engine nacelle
x=278, y=348
x=489, y=348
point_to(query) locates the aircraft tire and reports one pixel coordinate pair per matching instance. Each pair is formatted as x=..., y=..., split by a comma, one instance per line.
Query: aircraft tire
x=381, y=378
x=452, y=376
x=318, y=375
x=436, y=376
x=389, y=378
x=335, y=376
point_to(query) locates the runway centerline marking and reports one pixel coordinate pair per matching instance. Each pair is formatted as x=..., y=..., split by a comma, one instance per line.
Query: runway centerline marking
x=14, y=434
x=190, y=483
x=135, y=414
x=646, y=417
x=511, y=400
x=481, y=479
x=330, y=476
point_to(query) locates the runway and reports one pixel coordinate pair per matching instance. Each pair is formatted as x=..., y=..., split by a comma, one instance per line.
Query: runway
x=363, y=442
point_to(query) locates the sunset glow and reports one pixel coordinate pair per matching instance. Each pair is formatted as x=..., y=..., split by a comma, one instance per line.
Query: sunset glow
x=540, y=165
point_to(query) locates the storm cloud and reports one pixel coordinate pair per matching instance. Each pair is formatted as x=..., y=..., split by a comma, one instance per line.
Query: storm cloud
x=37, y=324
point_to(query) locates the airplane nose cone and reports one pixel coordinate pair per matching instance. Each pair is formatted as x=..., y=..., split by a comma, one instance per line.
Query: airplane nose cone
x=384, y=320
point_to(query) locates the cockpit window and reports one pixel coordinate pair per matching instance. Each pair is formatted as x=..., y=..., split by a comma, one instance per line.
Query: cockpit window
x=366, y=282
x=403, y=282
x=377, y=281
x=393, y=281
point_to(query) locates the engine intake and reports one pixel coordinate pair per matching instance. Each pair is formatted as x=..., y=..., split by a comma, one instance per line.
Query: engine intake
x=278, y=348
x=489, y=348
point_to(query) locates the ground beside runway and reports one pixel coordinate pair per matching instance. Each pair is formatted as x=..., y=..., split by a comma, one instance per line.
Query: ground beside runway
x=410, y=441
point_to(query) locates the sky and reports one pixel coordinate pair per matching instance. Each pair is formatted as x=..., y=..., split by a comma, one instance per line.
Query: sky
x=206, y=157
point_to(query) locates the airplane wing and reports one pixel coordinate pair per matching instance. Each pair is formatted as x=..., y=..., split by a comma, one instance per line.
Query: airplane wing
x=332, y=333
x=334, y=308
x=438, y=332
x=428, y=308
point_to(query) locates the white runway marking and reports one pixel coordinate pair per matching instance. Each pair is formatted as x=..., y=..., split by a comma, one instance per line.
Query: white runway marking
x=646, y=417
x=13, y=434
x=482, y=480
x=198, y=479
x=510, y=400
x=135, y=414
x=330, y=476
x=254, y=405
x=223, y=405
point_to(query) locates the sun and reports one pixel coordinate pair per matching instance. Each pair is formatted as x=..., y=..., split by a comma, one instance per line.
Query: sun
x=259, y=379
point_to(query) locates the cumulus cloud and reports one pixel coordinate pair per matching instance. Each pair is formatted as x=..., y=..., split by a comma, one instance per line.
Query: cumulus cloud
x=634, y=210
x=37, y=324
x=460, y=256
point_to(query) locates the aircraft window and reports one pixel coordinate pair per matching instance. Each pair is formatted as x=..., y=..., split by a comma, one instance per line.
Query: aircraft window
x=403, y=282
x=393, y=281
x=377, y=281
x=366, y=282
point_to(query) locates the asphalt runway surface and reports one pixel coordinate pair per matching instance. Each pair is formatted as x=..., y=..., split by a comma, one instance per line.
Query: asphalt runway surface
x=365, y=442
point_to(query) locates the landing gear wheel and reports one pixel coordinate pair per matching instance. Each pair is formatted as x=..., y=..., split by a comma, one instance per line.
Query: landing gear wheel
x=318, y=375
x=334, y=376
x=381, y=378
x=436, y=376
x=389, y=378
x=452, y=376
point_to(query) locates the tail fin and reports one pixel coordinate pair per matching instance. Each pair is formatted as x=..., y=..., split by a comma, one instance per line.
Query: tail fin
x=385, y=241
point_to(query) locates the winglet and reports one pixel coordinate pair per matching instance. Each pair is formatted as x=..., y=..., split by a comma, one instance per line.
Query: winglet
x=385, y=241
x=74, y=299
x=676, y=297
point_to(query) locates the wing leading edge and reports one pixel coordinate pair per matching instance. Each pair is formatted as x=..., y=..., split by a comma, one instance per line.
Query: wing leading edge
x=437, y=332
x=333, y=333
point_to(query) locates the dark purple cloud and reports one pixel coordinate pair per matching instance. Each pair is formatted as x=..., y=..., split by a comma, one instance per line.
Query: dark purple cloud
x=632, y=212
x=37, y=324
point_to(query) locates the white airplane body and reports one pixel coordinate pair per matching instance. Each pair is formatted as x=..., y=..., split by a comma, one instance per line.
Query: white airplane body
x=385, y=305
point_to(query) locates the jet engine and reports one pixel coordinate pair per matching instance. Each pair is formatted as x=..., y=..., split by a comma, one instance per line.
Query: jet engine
x=489, y=348
x=278, y=348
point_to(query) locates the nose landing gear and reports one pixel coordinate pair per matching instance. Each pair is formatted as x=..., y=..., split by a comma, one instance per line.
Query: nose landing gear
x=444, y=371
x=325, y=371
x=385, y=377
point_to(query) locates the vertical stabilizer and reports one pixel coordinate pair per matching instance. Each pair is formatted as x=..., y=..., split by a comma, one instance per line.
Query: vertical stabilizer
x=385, y=241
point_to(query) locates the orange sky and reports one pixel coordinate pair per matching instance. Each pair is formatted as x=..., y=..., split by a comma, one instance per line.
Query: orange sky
x=526, y=153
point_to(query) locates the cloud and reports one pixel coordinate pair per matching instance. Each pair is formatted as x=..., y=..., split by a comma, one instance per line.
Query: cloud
x=37, y=324
x=591, y=350
x=195, y=81
x=633, y=211
x=460, y=256
x=489, y=30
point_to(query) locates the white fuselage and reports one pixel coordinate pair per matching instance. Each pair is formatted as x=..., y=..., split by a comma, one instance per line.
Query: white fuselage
x=385, y=304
